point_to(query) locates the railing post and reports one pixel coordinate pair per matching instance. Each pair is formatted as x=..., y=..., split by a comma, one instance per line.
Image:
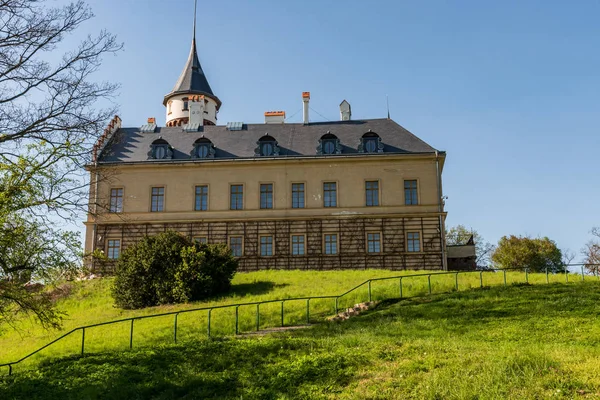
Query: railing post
x=9, y=369
x=526, y=275
x=429, y=282
x=237, y=320
x=281, y=313
x=456, y=281
x=547, y=277
x=336, y=305
x=82, y=340
x=307, y=311
x=504, y=271
x=175, y=329
x=258, y=317
x=131, y=335
x=369, y=290
x=566, y=274
x=209, y=312
x=400, y=287
x=582, y=276
x=480, y=279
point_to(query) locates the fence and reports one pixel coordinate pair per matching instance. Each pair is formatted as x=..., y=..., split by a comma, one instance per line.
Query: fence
x=349, y=296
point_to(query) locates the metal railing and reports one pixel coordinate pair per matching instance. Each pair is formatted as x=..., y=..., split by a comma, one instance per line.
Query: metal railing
x=368, y=283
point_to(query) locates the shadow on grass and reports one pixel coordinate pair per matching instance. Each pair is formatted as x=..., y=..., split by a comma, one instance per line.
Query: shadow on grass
x=255, y=288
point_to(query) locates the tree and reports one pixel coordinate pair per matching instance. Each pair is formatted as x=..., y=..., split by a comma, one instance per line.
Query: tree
x=591, y=252
x=525, y=252
x=460, y=235
x=48, y=124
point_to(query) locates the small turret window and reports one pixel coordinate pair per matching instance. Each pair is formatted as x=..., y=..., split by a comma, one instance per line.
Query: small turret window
x=185, y=104
x=329, y=144
x=267, y=147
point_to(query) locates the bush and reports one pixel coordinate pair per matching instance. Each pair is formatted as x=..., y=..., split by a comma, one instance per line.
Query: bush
x=169, y=268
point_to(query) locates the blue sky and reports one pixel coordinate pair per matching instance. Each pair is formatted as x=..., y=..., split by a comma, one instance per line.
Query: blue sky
x=510, y=90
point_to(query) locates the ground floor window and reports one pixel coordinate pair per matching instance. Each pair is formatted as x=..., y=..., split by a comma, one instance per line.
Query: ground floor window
x=236, y=246
x=113, y=249
x=374, y=242
x=297, y=245
x=331, y=244
x=413, y=241
x=200, y=240
x=266, y=245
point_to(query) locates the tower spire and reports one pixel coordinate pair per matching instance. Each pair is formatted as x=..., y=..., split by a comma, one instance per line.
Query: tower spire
x=194, y=35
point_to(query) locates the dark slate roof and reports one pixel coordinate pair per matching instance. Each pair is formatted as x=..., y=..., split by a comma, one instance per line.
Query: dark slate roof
x=192, y=79
x=294, y=140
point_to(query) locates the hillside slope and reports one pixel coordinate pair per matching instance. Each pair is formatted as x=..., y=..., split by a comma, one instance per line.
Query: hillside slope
x=517, y=342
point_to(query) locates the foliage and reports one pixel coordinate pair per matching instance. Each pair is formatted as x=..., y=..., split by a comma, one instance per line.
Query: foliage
x=413, y=349
x=169, y=268
x=591, y=252
x=48, y=122
x=460, y=235
x=525, y=252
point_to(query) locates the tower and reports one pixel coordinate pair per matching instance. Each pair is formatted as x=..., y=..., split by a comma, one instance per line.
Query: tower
x=192, y=101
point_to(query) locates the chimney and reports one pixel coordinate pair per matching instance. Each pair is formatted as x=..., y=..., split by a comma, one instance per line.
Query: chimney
x=274, y=117
x=345, y=111
x=305, y=99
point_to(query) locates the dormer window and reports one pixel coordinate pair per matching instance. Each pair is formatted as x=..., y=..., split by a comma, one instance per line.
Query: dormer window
x=160, y=150
x=203, y=148
x=329, y=144
x=370, y=143
x=267, y=146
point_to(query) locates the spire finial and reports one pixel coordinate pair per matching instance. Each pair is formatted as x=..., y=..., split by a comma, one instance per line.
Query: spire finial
x=195, y=3
x=387, y=100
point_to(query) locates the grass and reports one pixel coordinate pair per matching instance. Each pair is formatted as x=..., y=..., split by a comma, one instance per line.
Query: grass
x=516, y=342
x=90, y=302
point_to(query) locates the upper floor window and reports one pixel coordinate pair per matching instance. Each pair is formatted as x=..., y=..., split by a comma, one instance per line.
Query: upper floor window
x=329, y=144
x=157, y=203
x=160, y=150
x=203, y=148
x=329, y=194
x=297, y=195
x=116, y=200
x=266, y=195
x=113, y=248
x=372, y=193
x=370, y=143
x=236, y=197
x=410, y=192
x=413, y=241
x=201, y=203
x=267, y=146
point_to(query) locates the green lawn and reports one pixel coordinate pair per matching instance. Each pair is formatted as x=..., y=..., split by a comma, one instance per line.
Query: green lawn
x=515, y=342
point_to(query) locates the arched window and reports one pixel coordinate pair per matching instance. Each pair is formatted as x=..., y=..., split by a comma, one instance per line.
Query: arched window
x=370, y=143
x=329, y=144
x=203, y=148
x=160, y=150
x=267, y=146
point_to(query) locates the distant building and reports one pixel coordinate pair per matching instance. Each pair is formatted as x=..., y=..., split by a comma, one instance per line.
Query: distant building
x=311, y=195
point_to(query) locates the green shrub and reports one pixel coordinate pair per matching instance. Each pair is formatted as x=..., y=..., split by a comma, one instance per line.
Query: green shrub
x=169, y=268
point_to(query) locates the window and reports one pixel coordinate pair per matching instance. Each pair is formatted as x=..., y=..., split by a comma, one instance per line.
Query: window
x=201, y=198
x=185, y=104
x=372, y=193
x=266, y=195
x=266, y=146
x=116, y=200
x=413, y=241
x=329, y=194
x=297, y=195
x=160, y=150
x=410, y=192
x=203, y=148
x=236, y=197
x=200, y=240
x=236, y=246
x=298, y=245
x=370, y=143
x=331, y=244
x=113, y=249
x=158, y=199
x=373, y=242
x=266, y=246
x=329, y=144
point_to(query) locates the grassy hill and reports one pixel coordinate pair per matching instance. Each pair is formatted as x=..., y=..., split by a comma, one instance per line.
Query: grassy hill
x=518, y=342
